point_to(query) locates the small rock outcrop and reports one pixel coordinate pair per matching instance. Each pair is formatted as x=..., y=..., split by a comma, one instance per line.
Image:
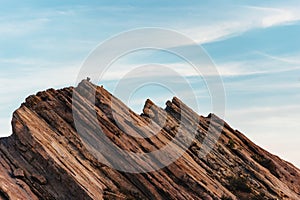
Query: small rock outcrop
x=45, y=158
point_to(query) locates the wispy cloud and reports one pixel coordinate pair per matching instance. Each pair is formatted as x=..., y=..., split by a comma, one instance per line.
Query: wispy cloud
x=289, y=59
x=263, y=64
x=277, y=16
x=243, y=18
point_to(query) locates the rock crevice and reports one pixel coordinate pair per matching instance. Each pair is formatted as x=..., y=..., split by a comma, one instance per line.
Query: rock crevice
x=45, y=158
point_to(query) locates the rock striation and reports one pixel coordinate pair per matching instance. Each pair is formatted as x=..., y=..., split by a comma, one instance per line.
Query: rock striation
x=45, y=158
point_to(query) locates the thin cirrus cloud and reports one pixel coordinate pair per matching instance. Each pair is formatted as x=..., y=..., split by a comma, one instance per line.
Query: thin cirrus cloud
x=206, y=28
x=277, y=16
x=263, y=64
x=245, y=18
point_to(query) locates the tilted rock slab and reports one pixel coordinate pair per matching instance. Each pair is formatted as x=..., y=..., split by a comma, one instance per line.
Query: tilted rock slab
x=45, y=158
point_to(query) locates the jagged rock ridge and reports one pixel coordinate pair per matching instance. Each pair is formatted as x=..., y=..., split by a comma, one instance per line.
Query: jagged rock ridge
x=45, y=158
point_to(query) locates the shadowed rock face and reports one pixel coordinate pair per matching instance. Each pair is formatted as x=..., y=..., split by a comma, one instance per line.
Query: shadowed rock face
x=45, y=158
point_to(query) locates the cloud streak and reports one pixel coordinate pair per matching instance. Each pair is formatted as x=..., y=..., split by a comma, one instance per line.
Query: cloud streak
x=243, y=18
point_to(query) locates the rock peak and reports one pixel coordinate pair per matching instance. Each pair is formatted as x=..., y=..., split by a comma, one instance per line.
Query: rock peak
x=46, y=159
x=148, y=103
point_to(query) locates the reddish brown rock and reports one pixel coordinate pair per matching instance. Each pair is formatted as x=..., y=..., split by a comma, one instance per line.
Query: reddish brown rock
x=18, y=173
x=45, y=158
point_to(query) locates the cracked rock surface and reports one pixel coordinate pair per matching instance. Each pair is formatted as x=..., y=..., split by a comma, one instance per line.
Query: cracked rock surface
x=45, y=158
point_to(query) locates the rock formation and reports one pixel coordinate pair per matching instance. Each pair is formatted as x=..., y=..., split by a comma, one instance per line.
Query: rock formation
x=45, y=158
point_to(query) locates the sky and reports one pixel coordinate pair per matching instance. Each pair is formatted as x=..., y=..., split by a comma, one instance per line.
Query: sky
x=254, y=44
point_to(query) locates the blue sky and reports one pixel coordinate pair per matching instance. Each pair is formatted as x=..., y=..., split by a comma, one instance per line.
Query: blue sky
x=254, y=44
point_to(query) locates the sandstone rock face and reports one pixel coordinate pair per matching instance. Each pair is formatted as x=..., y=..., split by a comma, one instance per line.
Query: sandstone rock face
x=45, y=158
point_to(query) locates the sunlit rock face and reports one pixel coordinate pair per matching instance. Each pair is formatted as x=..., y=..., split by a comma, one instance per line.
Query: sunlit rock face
x=46, y=158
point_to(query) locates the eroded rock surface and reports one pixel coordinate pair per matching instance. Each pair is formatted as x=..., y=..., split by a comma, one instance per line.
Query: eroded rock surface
x=45, y=158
